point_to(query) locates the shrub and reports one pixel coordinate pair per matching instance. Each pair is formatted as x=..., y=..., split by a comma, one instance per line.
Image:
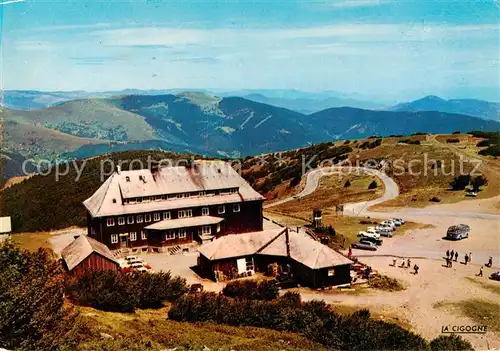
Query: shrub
x=313, y=319
x=32, y=312
x=456, y=132
x=410, y=141
x=252, y=289
x=124, y=292
x=435, y=199
x=372, y=185
x=482, y=143
x=347, y=184
x=452, y=140
x=450, y=342
x=493, y=150
x=460, y=182
x=478, y=182
x=386, y=283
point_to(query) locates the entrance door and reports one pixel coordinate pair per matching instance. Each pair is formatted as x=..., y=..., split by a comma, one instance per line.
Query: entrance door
x=123, y=241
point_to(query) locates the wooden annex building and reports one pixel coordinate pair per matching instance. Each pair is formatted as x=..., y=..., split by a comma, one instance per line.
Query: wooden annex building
x=85, y=253
x=311, y=263
x=161, y=208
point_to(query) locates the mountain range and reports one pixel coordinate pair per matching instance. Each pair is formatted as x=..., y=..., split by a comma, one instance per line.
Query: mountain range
x=471, y=107
x=205, y=124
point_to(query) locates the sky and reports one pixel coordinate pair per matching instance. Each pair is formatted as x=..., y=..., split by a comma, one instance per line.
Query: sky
x=377, y=49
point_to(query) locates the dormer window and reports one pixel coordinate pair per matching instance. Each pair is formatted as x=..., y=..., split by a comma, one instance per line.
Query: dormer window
x=127, y=178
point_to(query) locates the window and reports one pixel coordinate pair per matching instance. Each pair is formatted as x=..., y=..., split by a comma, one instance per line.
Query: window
x=233, y=191
x=130, y=219
x=185, y=213
x=166, y=215
x=170, y=235
x=182, y=233
x=205, y=211
x=144, y=235
x=140, y=219
x=92, y=231
x=185, y=195
x=110, y=222
x=114, y=238
x=201, y=193
x=133, y=236
x=121, y=220
x=147, y=217
x=331, y=272
x=221, y=210
x=156, y=216
x=249, y=263
x=139, y=199
x=126, y=201
x=236, y=208
x=218, y=227
x=179, y=196
x=206, y=229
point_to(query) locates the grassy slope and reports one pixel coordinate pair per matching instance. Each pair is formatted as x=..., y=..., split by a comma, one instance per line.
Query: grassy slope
x=88, y=118
x=38, y=142
x=150, y=328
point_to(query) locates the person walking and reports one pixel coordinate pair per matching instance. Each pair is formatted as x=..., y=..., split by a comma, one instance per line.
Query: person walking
x=447, y=253
x=470, y=256
x=490, y=262
x=452, y=254
x=415, y=268
x=394, y=261
x=466, y=259
x=447, y=262
x=456, y=256
x=451, y=263
x=409, y=263
x=480, y=274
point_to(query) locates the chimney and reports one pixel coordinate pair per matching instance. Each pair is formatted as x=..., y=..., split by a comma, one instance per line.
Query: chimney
x=154, y=166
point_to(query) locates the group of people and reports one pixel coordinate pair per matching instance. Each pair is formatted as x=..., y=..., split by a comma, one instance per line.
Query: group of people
x=405, y=264
x=450, y=255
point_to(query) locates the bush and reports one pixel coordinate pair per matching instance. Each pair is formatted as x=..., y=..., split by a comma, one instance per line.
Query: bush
x=386, y=283
x=252, y=289
x=478, y=182
x=460, y=182
x=347, y=184
x=32, y=312
x=410, y=141
x=372, y=185
x=493, y=150
x=456, y=132
x=450, y=342
x=124, y=292
x=485, y=142
x=313, y=319
x=452, y=140
x=435, y=199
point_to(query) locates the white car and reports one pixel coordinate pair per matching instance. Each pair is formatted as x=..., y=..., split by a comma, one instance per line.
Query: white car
x=369, y=235
x=389, y=223
x=398, y=221
x=381, y=227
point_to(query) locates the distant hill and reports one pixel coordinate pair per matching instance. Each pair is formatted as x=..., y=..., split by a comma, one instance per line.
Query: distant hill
x=310, y=105
x=205, y=124
x=471, y=107
x=94, y=118
x=352, y=123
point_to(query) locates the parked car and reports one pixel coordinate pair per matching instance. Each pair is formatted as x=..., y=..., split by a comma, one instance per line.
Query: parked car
x=366, y=234
x=373, y=231
x=398, y=221
x=495, y=276
x=389, y=223
x=365, y=240
x=380, y=227
x=471, y=194
x=385, y=232
x=367, y=246
x=458, y=232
